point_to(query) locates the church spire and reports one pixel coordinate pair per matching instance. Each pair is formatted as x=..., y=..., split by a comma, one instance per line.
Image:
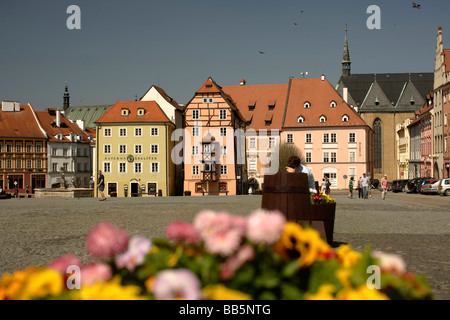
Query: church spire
x=66, y=104
x=346, y=58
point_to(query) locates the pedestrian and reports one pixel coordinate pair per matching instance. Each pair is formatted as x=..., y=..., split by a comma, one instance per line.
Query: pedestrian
x=350, y=188
x=328, y=185
x=371, y=186
x=91, y=183
x=365, y=186
x=384, y=185
x=324, y=185
x=294, y=165
x=101, y=184
x=360, y=191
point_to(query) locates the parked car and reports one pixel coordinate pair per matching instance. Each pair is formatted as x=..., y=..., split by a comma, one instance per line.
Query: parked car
x=444, y=187
x=399, y=185
x=430, y=186
x=413, y=185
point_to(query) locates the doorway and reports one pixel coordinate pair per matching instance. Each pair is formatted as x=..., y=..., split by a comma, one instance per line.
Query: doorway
x=134, y=186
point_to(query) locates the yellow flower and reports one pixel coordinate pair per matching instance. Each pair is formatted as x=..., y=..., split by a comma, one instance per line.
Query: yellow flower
x=325, y=292
x=220, y=292
x=347, y=256
x=343, y=276
x=286, y=245
x=149, y=283
x=361, y=293
x=111, y=290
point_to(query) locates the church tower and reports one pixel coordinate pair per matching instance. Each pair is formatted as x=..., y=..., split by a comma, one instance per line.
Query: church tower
x=346, y=58
x=66, y=104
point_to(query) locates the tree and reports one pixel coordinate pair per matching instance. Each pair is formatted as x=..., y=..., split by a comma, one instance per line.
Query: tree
x=282, y=153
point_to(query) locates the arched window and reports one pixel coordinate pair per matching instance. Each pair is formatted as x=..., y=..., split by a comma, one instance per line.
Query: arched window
x=333, y=104
x=323, y=119
x=377, y=145
x=307, y=105
x=345, y=118
x=300, y=119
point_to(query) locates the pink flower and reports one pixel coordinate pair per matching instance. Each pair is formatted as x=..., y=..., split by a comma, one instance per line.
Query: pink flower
x=182, y=231
x=208, y=222
x=223, y=243
x=105, y=240
x=390, y=262
x=135, y=256
x=229, y=267
x=62, y=263
x=265, y=227
x=176, y=284
x=95, y=273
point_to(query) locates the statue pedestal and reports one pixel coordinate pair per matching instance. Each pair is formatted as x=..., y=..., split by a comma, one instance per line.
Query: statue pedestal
x=64, y=193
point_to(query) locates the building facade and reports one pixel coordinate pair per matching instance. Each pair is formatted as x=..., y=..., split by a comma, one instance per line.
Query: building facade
x=23, y=149
x=133, y=150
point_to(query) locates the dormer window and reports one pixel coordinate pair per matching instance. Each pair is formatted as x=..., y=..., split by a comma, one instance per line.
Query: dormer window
x=377, y=102
x=140, y=112
x=345, y=118
x=412, y=102
x=307, y=105
x=300, y=119
x=323, y=119
x=271, y=107
x=251, y=107
x=125, y=112
x=333, y=104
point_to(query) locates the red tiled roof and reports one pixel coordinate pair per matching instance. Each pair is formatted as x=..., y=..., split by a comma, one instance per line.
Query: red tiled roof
x=260, y=96
x=153, y=113
x=48, y=123
x=319, y=93
x=20, y=124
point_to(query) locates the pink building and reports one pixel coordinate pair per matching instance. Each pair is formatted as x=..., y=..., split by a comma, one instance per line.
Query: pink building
x=211, y=142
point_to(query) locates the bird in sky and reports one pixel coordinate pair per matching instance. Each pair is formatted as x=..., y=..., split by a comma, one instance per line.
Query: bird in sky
x=295, y=24
x=416, y=5
x=261, y=52
x=301, y=11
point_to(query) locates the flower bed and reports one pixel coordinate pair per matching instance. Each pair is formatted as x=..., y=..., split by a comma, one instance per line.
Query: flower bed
x=218, y=256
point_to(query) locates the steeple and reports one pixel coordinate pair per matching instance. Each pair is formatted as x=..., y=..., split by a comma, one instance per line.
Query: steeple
x=66, y=104
x=346, y=58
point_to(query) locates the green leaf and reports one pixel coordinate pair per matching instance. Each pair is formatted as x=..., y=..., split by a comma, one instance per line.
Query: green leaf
x=291, y=292
x=323, y=272
x=291, y=269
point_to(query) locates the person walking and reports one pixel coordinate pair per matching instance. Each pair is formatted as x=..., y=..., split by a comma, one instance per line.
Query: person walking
x=350, y=188
x=365, y=186
x=324, y=186
x=384, y=186
x=360, y=191
x=328, y=185
x=101, y=184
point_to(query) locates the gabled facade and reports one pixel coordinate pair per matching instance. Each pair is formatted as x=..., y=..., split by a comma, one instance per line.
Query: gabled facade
x=403, y=144
x=335, y=140
x=133, y=150
x=69, y=149
x=213, y=144
x=23, y=149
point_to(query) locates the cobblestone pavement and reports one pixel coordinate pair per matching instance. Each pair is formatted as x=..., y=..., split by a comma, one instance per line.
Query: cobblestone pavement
x=417, y=227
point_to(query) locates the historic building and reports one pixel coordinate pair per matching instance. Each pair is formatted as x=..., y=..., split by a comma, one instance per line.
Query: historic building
x=403, y=146
x=23, y=149
x=133, y=150
x=214, y=144
x=383, y=101
x=69, y=150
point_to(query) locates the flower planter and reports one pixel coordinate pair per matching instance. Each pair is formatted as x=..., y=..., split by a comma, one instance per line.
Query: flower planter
x=323, y=215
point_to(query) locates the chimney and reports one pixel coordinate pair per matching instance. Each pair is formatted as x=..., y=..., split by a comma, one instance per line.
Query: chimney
x=10, y=106
x=345, y=94
x=243, y=82
x=322, y=77
x=58, y=118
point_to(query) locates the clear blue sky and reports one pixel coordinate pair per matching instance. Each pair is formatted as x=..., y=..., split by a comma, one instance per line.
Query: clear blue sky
x=124, y=47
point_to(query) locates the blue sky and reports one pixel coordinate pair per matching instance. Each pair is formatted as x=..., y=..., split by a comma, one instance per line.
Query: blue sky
x=124, y=47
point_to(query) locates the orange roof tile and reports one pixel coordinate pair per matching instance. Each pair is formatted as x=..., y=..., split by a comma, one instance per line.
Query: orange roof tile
x=319, y=93
x=48, y=123
x=20, y=124
x=153, y=113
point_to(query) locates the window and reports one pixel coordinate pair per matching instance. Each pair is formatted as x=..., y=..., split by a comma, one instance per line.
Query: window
x=223, y=169
x=223, y=150
x=106, y=167
x=19, y=147
x=326, y=138
x=272, y=142
x=333, y=156
x=9, y=164
x=195, y=114
x=345, y=118
x=107, y=132
x=271, y=107
x=138, y=149
x=140, y=112
x=122, y=148
x=290, y=138
x=308, y=138
x=137, y=167
x=301, y=119
x=333, y=138
x=122, y=167
x=9, y=148
x=307, y=105
x=252, y=143
x=252, y=163
x=195, y=170
x=54, y=167
x=124, y=112
x=208, y=100
x=194, y=150
x=377, y=145
x=251, y=107
x=29, y=148
x=122, y=132
x=323, y=119
x=352, y=156
x=154, y=167
x=333, y=104
x=223, y=114
x=19, y=164
x=352, y=137
x=195, y=131
x=29, y=164
x=154, y=132
x=154, y=149
x=326, y=157
x=308, y=157
x=223, y=132
x=39, y=164
x=65, y=166
x=138, y=132
x=107, y=149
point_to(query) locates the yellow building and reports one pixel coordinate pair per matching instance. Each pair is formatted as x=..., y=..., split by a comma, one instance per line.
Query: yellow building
x=133, y=150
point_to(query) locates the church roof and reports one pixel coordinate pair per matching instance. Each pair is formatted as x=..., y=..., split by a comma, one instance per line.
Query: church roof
x=87, y=113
